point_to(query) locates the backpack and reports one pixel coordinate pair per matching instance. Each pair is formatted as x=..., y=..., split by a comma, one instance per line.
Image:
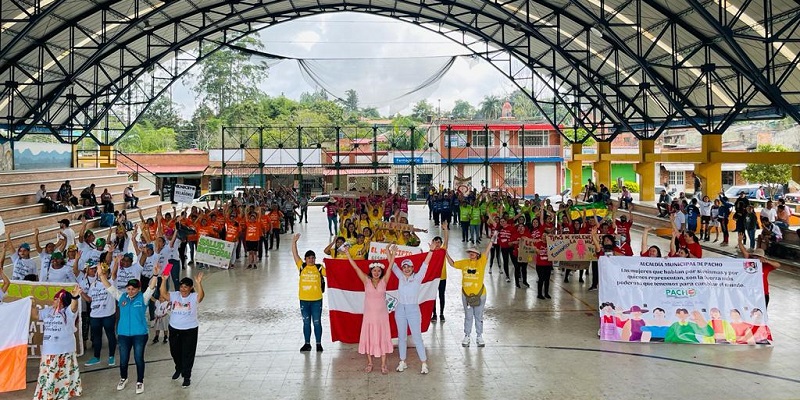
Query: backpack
x=106, y=220
x=90, y=213
x=321, y=277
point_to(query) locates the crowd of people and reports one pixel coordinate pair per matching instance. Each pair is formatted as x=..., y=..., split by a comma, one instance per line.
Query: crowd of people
x=111, y=272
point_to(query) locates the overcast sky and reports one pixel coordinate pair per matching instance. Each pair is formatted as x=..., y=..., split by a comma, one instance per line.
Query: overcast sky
x=353, y=35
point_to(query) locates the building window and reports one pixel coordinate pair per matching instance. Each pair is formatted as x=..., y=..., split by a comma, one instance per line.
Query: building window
x=515, y=175
x=676, y=178
x=457, y=138
x=479, y=138
x=534, y=138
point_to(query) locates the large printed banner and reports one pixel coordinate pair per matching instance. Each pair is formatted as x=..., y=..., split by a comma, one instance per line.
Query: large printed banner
x=570, y=247
x=682, y=300
x=346, y=293
x=379, y=251
x=214, y=252
x=42, y=293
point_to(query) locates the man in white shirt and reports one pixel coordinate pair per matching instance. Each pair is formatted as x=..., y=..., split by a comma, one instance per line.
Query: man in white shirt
x=679, y=218
x=130, y=197
x=41, y=194
x=769, y=211
x=66, y=233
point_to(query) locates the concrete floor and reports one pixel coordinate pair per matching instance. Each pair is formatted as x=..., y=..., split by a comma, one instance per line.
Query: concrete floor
x=250, y=334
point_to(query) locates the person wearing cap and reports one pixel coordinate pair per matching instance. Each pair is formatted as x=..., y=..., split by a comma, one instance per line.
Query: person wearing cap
x=376, y=335
x=472, y=270
x=45, y=253
x=331, y=208
x=102, y=313
x=310, y=294
x=407, y=315
x=20, y=259
x=56, y=270
x=65, y=234
x=183, y=325
x=59, y=372
x=86, y=245
x=130, y=197
x=132, y=329
x=767, y=265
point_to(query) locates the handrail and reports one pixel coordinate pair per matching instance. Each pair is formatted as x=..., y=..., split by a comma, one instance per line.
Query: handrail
x=138, y=167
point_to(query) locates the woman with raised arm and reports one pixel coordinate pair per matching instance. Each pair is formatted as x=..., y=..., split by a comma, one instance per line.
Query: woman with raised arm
x=376, y=335
x=132, y=328
x=649, y=251
x=59, y=375
x=183, y=324
x=310, y=294
x=407, y=314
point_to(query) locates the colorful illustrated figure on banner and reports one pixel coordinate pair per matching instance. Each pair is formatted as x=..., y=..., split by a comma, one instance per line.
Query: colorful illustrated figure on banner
x=677, y=300
x=346, y=294
x=42, y=294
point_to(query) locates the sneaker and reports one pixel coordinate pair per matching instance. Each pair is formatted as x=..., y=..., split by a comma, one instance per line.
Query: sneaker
x=424, y=369
x=593, y=288
x=155, y=339
x=490, y=270
x=508, y=279
x=441, y=318
x=402, y=366
x=176, y=375
x=111, y=361
x=166, y=339
x=319, y=347
x=92, y=361
x=434, y=318
x=140, y=387
x=540, y=297
x=480, y=341
x=121, y=384
x=465, y=342
x=526, y=284
x=547, y=296
x=306, y=347
x=186, y=383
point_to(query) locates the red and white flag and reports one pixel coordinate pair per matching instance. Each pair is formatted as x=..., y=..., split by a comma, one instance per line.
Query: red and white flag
x=346, y=294
x=15, y=318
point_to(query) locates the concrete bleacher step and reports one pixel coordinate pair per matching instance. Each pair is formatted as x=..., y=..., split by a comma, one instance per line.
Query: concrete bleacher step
x=21, y=199
x=37, y=209
x=52, y=185
x=62, y=174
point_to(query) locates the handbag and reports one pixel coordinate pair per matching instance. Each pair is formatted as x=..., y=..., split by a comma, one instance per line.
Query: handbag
x=474, y=300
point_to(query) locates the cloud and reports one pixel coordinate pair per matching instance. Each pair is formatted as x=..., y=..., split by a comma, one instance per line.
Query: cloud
x=353, y=35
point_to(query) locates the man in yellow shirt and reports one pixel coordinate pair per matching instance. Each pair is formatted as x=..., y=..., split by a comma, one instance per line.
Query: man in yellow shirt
x=310, y=293
x=358, y=250
x=473, y=292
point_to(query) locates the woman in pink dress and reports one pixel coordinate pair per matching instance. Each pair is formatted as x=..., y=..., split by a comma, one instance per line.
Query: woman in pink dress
x=376, y=336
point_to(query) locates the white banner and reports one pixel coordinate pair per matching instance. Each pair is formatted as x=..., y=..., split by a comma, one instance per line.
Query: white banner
x=2, y=227
x=682, y=300
x=214, y=252
x=183, y=194
x=377, y=251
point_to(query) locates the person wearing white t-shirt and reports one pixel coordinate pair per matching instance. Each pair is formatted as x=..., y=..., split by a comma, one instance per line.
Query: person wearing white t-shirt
x=124, y=270
x=59, y=375
x=769, y=211
x=65, y=233
x=147, y=259
x=183, y=325
x=24, y=266
x=679, y=218
x=57, y=271
x=102, y=316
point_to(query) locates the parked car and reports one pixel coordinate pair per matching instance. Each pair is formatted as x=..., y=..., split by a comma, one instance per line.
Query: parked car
x=562, y=197
x=212, y=197
x=323, y=198
x=751, y=190
x=792, y=197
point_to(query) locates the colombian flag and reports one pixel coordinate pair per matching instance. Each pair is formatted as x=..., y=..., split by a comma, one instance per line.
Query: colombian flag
x=14, y=320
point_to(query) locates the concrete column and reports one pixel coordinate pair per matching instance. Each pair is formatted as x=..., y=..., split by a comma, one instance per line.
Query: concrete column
x=575, y=169
x=710, y=173
x=646, y=171
x=602, y=168
x=796, y=173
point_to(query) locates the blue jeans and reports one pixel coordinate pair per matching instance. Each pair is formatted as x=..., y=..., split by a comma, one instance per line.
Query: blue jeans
x=137, y=342
x=473, y=313
x=98, y=325
x=407, y=316
x=335, y=222
x=474, y=232
x=752, y=234
x=312, y=311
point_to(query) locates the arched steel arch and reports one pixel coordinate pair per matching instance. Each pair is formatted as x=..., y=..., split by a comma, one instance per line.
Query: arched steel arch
x=618, y=65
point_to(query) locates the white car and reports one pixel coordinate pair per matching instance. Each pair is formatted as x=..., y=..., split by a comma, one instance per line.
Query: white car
x=562, y=197
x=212, y=197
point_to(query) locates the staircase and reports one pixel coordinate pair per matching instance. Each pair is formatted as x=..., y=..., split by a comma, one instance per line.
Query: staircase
x=22, y=215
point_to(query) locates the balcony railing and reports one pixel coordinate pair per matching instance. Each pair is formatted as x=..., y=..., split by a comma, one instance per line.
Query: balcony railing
x=503, y=152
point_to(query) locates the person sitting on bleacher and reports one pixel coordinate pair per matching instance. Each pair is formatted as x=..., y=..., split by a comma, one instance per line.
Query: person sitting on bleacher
x=106, y=199
x=24, y=266
x=663, y=204
x=65, y=194
x=88, y=197
x=130, y=197
x=782, y=216
x=43, y=198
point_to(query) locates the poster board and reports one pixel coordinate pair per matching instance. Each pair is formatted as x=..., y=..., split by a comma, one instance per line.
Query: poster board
x=214, y=252
x=183, y=194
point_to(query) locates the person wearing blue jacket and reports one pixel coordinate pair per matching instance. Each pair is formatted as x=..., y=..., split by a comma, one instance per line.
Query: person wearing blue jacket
x=132, y=330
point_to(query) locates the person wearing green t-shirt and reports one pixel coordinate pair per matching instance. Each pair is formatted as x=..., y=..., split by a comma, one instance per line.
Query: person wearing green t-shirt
x=475, y=222
x=688, y=331
x=464, y=213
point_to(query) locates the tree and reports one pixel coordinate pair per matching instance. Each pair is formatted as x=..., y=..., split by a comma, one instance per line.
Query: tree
x=228, y=76
x=370, y=112
x=144, y=138
x=523, y=106
x=491, y=107
x=400, y=136
x=462, y=110
x=350, y=102
x=577, y=136
x=422, y=110
x=162, y=114
x=770, y=175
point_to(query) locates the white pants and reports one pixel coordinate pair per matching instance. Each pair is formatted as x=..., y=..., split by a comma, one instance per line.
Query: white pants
x=408, y=315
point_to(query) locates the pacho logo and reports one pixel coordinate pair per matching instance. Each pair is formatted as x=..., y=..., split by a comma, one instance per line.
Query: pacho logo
x=750, y=267
x=680, y=293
